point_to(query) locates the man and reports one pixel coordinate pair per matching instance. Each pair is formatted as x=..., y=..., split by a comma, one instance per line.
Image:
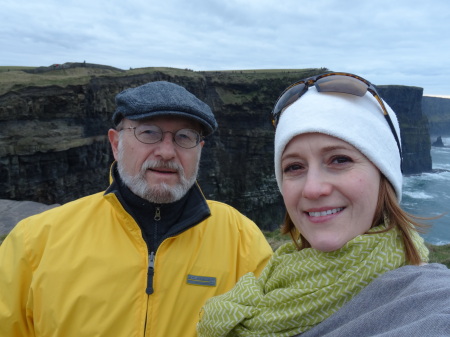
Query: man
x=141, y=258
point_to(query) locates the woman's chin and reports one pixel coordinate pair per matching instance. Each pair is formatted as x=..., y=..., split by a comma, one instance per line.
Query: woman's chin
x=327, y=246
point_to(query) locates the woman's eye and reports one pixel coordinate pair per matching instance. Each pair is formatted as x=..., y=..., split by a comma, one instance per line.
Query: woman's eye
x=341, y=159
x=292, y=168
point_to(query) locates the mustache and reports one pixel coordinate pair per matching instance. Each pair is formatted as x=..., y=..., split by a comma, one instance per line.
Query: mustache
x=159, y=164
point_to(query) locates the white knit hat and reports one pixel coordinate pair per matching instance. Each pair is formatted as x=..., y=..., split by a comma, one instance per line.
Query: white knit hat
x=357, y=120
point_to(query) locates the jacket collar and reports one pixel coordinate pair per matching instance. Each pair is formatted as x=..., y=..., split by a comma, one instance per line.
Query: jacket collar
x=175, y=217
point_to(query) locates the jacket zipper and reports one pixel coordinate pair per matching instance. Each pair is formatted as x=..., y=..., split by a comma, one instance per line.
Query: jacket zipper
x=151, y=264
x=151, y=256
x=157, y=216
x=150, y=273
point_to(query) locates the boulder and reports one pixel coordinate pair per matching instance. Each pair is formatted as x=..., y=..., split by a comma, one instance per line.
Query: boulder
x=11, y=212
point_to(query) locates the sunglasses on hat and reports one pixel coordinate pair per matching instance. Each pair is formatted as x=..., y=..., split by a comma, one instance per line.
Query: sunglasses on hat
x=331, y=82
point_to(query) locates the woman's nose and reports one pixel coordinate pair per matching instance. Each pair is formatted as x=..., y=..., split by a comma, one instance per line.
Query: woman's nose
x=316, y=185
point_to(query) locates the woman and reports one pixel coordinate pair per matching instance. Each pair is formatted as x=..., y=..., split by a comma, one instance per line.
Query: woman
x=357, y=266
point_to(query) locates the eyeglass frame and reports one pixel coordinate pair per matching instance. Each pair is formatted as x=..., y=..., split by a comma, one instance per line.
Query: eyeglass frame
x=200, y=137
x=310, y=81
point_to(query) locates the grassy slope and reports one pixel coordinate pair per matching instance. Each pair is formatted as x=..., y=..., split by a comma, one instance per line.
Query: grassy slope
x=14, y=78
x=439, y=254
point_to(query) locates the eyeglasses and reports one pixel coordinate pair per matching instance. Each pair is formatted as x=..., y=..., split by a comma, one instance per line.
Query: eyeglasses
x=331, y=82
x=151, y=134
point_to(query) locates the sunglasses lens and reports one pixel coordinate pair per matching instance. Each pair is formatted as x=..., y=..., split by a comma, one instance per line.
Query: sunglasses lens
x=343, y=84
x=289, y=97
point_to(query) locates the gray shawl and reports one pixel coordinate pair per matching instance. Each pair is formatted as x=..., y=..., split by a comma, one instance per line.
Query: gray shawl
x=409, y=301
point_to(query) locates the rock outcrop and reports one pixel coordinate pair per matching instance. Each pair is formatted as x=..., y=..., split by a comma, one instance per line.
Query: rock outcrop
x=438, y=142
x=54, y=149
x=416, y=144
x=437, y=110
x=11, y=212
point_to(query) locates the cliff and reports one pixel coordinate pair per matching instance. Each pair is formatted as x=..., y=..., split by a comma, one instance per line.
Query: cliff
x=437, y=110
x=54, y=149
x=416, y=144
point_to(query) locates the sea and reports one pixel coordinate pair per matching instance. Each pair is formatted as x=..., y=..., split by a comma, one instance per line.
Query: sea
x=428, y=195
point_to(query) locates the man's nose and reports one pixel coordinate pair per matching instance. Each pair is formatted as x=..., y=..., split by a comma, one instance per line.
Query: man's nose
x=165, y=148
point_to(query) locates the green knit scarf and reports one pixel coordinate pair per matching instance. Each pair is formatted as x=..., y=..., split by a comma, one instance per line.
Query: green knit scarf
x=299, y=289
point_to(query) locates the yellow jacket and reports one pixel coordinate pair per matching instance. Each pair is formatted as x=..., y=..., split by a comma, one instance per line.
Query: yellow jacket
x=81, y=270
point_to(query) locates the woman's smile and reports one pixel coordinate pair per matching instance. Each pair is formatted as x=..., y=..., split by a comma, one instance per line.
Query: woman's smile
x=324, y=213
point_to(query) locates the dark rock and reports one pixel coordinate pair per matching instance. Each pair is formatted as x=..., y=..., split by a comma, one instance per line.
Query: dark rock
x=437, y=109
x=11, y=212
x=416, y=145
x=438, y=142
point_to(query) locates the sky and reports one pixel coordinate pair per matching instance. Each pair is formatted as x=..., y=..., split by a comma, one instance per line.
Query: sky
x=404, y=42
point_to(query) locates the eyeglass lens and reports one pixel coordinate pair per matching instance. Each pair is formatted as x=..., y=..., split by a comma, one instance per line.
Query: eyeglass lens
x=151, y=134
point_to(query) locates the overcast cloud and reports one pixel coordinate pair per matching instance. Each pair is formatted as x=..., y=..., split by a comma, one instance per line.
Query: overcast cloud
x=386, y=41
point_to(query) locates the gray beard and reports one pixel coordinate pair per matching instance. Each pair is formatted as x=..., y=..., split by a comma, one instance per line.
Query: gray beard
x=161, y=193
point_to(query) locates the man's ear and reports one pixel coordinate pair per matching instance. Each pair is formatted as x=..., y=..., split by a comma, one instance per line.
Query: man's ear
x=113, y=136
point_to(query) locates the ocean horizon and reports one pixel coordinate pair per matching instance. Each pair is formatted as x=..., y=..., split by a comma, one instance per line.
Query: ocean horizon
x=428, y=195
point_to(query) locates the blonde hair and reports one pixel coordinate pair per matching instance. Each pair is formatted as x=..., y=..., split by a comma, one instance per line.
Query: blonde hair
x=388, y=211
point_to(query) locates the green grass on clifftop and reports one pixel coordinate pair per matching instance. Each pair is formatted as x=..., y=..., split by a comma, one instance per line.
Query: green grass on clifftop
x=16, y=77
x=438, y=254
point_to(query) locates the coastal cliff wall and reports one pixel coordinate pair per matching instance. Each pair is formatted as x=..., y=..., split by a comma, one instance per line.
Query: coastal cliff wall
x=437, y=110
x=54, y=148
x=416, y=144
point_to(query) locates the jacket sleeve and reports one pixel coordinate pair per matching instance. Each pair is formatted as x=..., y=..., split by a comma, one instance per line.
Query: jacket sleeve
x=254, y=248
x=15, y=278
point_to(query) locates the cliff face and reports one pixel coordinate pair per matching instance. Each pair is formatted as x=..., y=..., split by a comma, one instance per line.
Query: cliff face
x=54, y=149
x=438, y=112
x=416, y=145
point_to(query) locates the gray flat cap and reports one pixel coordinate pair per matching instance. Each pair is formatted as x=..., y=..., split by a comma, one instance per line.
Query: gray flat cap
x=162, y=98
